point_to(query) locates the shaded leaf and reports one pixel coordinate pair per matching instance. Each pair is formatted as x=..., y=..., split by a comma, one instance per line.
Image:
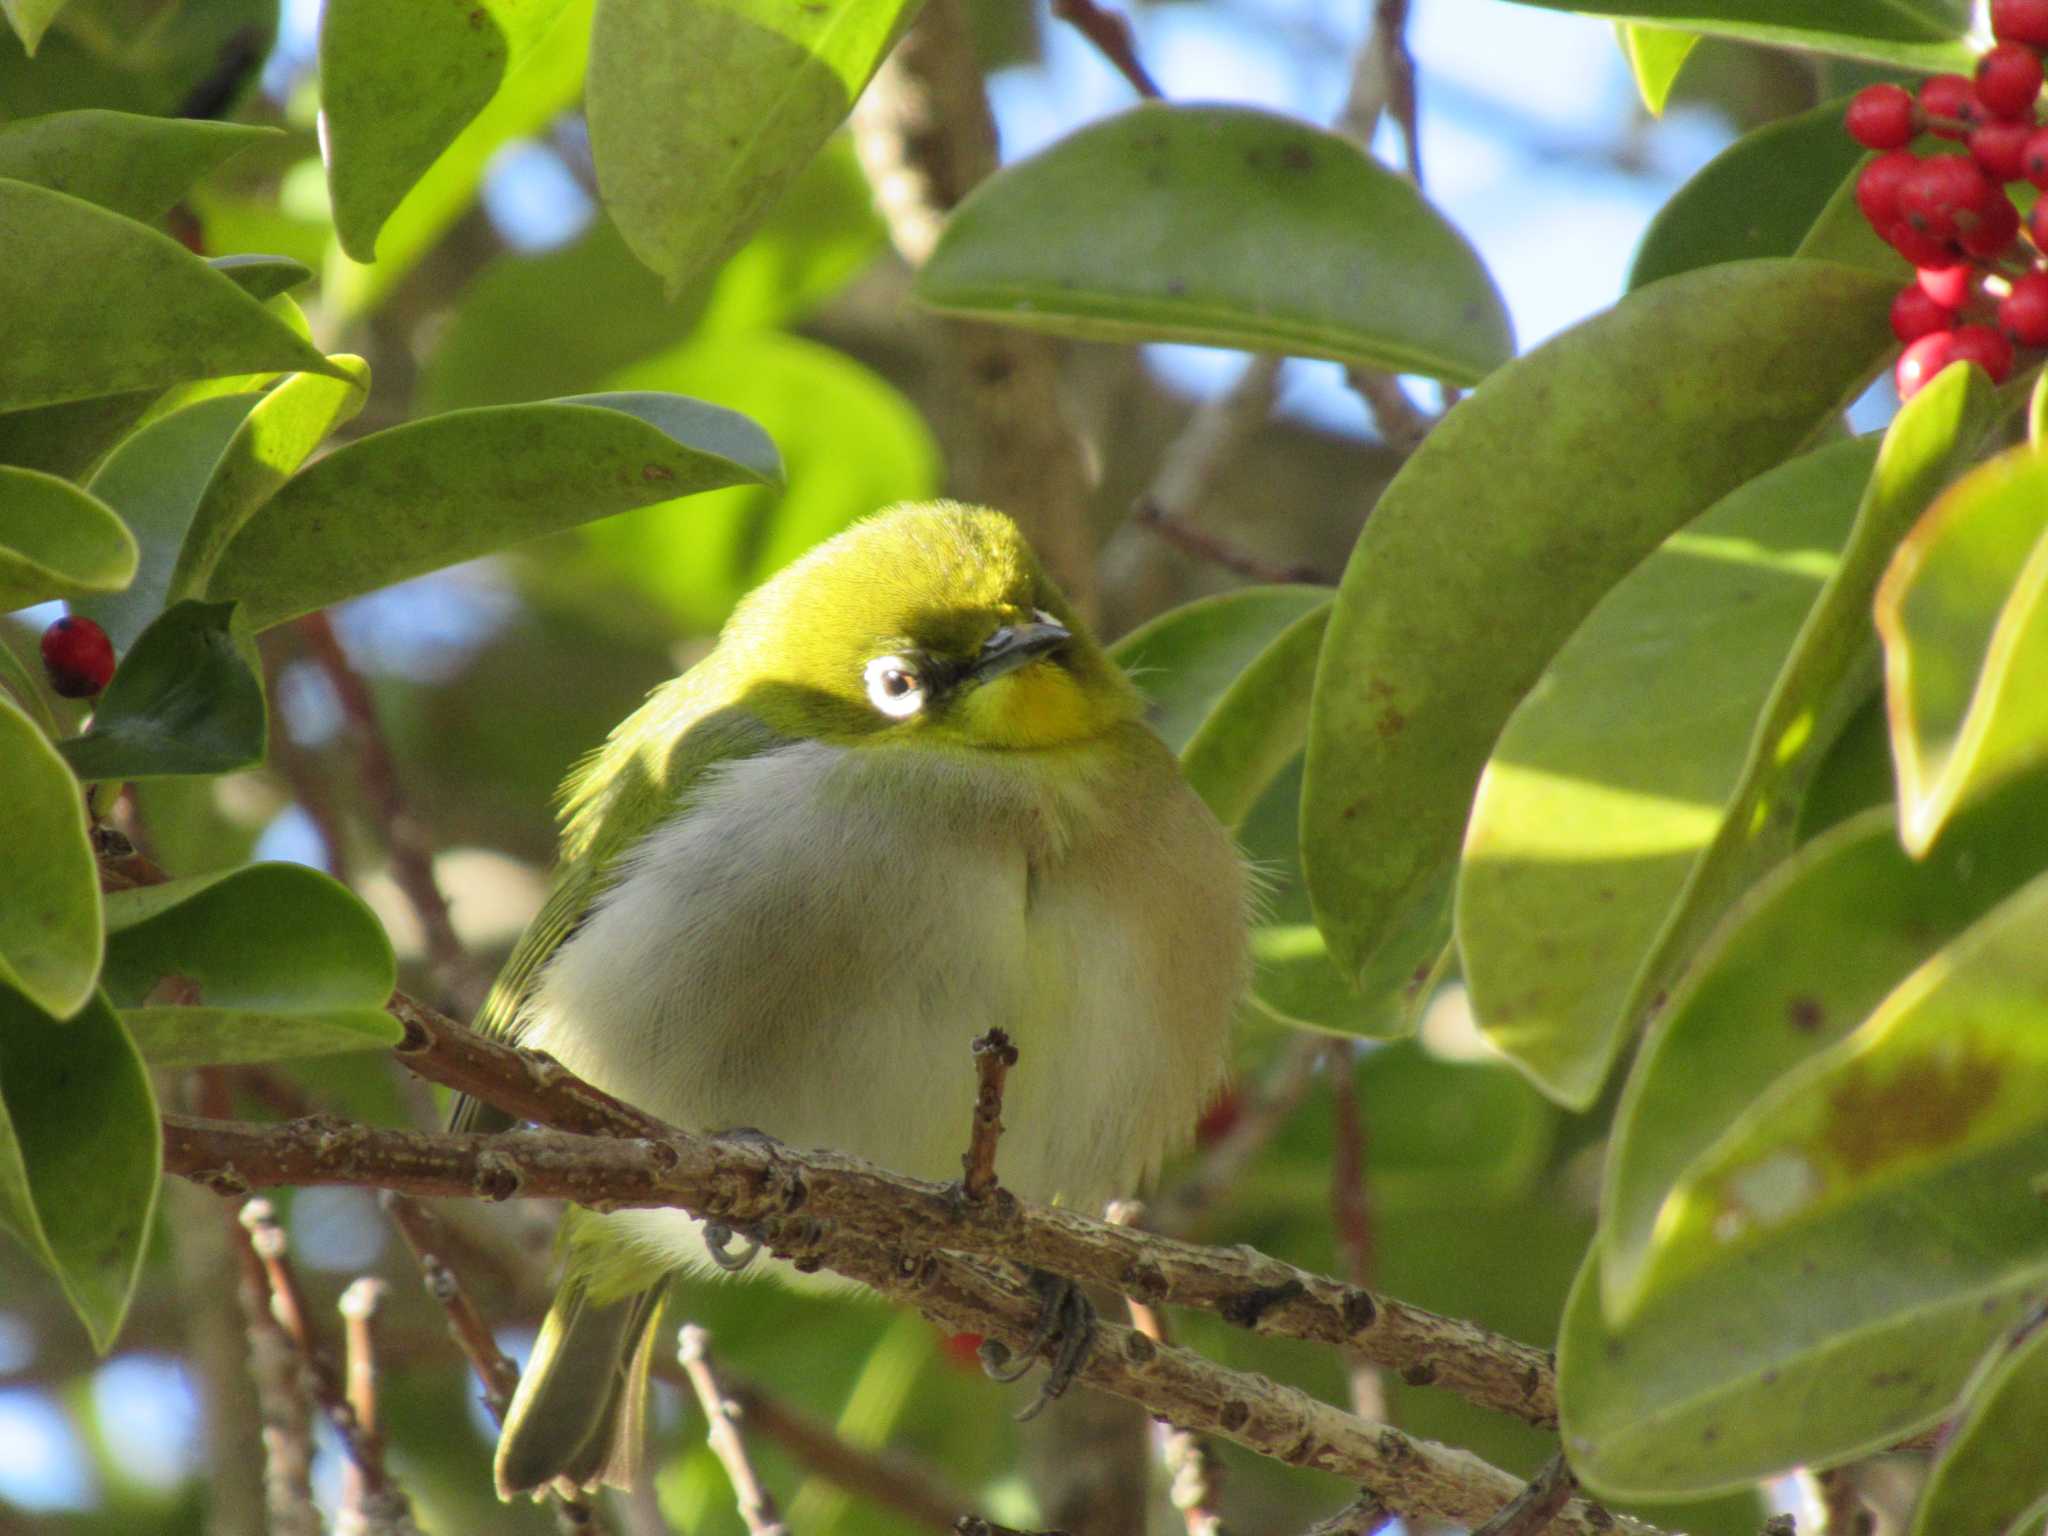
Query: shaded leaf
x=1761, y=196
x=1655, y=56
x=1841, y=233
x=414, y=498
x=139, y=56
x=123, y=162
x=259, y=963
x=786, y=76
x=1964, y=618
x=187, y=698
x=94, y=304
x=1920, y=34
x=1989, y=1477
x=80, y=1153
x=1649, y=413
x=1161, y=224
x=398, y=81
x=57, y=541
x=50, y=925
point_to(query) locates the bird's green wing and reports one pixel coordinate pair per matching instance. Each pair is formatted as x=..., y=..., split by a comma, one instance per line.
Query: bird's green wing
x=645, y=773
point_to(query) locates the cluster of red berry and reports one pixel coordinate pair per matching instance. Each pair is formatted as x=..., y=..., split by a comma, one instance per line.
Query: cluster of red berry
x=1980, y=289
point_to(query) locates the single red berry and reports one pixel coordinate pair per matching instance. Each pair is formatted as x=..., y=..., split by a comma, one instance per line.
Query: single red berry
x=1948, y=286
x=1922, y=360
x=2000, y=149
x=1219, y=1119
x=2020, y=21
x=1985, y=347
x=2034, y=160
x=1990, y=231
x=1914, y=315
x=2024, y=311
x=1919, y=247
x=1881, y=117
x=78, y=657
x=1944, y=195
x=1952, y=98
x=2009, y=80
x=963, y=1349
x=2037, y=223
x=1877, y=187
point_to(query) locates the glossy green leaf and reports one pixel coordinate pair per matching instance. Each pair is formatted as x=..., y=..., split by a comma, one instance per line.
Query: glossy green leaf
x=1655, y=56
x=94, y=304
x=259, y=963
x=1530, y=500
x=414, y=498
x=154, y=479
x=398, y=81
x=1802, y=961
x=851, y=444
x=1989, y=1478
x=785, y=77
x=80, y=1153
x=1615, y=773
x=538, y=87
x=1919, y=34
x=57, y=541
x=49, y=925
x=1964, y=616
x=186, y=698
x=30, y=19
x=1761, y=196
x=1160, y=225
x=1260, y=722
x=126, y=163
x=1840, y=233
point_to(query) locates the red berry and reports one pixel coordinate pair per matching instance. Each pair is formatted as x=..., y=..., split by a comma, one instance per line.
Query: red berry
x=2034, y=161
x=963, y=1349
x=1877, y=187
x=1944, y=195
x=2037, y=223
x=78, y=656
x=1914, y=315
x=1219, y=1119
x=1948, y=286
x=2024, y=311
x=1991, y=230
x=1953, y=99
x=1919, y=247
x=2009, y=80
x=1881, y=117
x=1922, y=360
x=2000, y=149
x=2020, y=21
x=1981, y=345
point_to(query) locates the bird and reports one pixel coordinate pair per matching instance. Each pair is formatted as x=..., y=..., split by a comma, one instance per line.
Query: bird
x=905, y=798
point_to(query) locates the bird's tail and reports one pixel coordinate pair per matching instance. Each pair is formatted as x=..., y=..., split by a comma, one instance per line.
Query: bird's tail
x=579, y=1415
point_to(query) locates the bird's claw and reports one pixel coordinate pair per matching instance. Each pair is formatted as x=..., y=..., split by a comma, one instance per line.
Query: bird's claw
x=1066, y=1321
x=718, y=1241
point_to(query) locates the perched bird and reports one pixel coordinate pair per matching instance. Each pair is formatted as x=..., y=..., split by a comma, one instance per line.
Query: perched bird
x=905, y=799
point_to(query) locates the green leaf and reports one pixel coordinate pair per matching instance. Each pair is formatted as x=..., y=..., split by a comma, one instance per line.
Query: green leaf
x=154, y=479
x=187, y=698
x=1989, y=1478
x=258, y=963
x=398, y=81
x=80, y=1153
x=1964, y=619
x=1161, y=225
x=30, y=19
x=1655, y=56
x=430, y=493
x=1841, y=233
x=1615, y=773
x=1919, y=34
x=127, y=164
x=1534, y=497
x=143, y=56
x=49, y=925
x=785, y=76
x=1761, y=196
x=538, y=86
x=97, y=304
x=56, y=541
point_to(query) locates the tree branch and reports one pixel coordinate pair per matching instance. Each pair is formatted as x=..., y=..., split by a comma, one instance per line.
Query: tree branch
x=722, y=1432
x=1110, y=32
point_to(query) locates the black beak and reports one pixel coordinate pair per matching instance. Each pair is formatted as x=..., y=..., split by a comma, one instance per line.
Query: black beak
x=1015, y=644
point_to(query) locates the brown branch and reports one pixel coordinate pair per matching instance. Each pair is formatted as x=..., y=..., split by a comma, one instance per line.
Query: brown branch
x=280, y=1404
x=994, y=1055
x=1530, y=1512
x=358, y=1306
x=1351, y=1209
x=722, y=1433
x=1366, y=1516
x=1390, y=30
x=1110, y=32
x=974, y=1525
x=1203, y=545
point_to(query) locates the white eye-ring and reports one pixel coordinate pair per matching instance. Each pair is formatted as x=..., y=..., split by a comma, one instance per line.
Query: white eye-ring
x=894, y=687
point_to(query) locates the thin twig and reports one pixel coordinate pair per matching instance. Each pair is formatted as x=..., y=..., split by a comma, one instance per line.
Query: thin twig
x=994, y=1055
x=1110, y=32
x=722, y=1419
x=358, y=1307
x=1351, y=1210
x=974, y=1525
x=1365, y=1516
x=1181, y=533
x=1390, y=26
x=1530, y=1512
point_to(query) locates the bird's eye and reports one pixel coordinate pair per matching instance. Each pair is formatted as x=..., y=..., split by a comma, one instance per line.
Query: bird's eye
x=894, y=687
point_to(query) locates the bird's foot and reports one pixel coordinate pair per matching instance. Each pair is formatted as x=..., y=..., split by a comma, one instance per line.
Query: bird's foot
x=718, y=1243
x=1066, y=1322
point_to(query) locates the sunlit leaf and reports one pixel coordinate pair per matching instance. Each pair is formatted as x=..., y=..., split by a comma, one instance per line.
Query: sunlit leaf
x=414, y=498
x=1162, y=225
x=1989, y=1477
x=259, y=963
x=126, y=163
x=1655, y=56
x=80, y=1153
x=1919, y=34
x=49, y=925
x=57, y=541
x=186, y=698
x=31, y=18
x=785, y=76
x=1531, y=500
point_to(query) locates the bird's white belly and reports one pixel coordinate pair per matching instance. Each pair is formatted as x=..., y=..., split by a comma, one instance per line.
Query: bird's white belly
x=800, y=954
